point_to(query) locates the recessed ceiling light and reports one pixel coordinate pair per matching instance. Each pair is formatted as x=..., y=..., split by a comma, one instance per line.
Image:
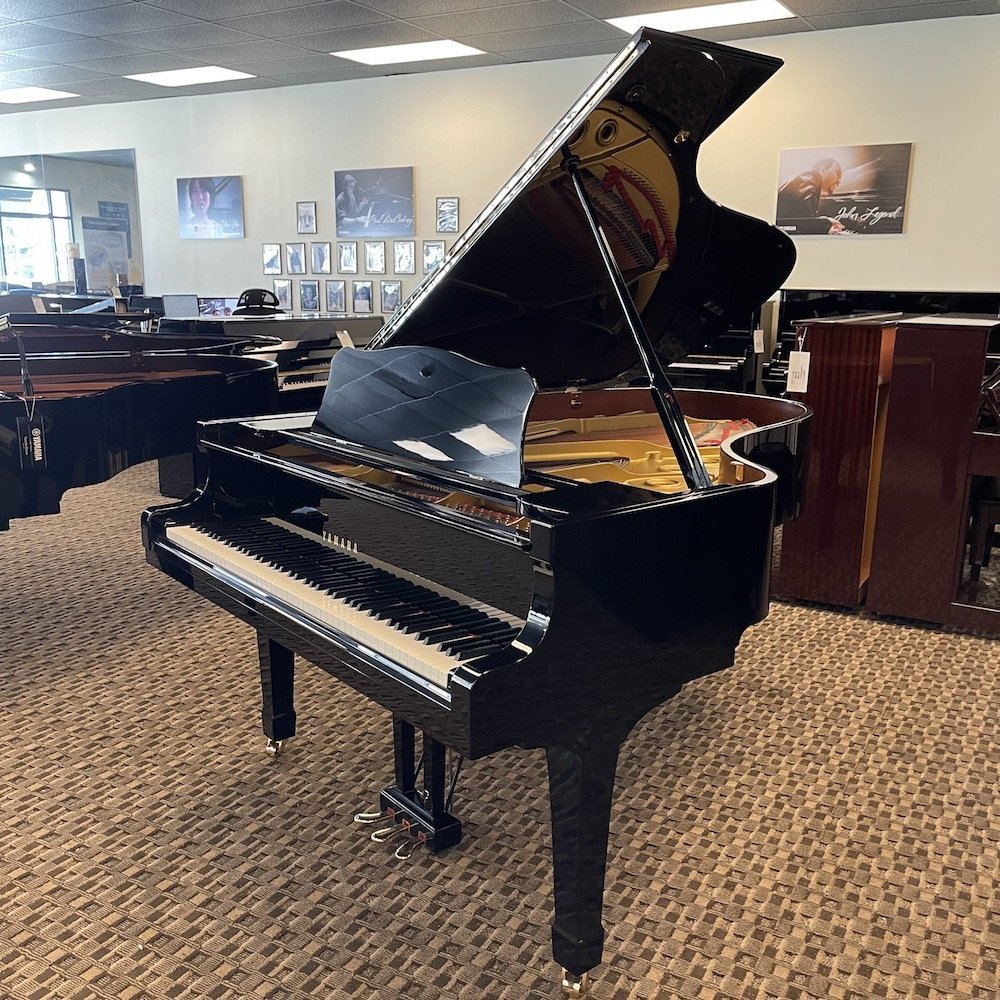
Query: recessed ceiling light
x=190, y=77
x=25, y=95
x=716, y=15
x=413, y=52
x=29, y=167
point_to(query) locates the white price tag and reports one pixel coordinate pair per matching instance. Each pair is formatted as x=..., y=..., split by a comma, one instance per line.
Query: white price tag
x=798, y=371
x=758, y=341
x=345, y=338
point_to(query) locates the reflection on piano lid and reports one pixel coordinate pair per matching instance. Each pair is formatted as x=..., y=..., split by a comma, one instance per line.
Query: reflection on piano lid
x=478, y=534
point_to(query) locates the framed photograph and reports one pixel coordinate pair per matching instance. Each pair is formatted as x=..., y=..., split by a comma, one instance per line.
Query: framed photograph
x=375, y=257
x=295, y=258
x=210, y=208
x=283, y=290
x=433, y=255
x=361, y=296
x=320, y=258
x=392, y=292
x=374, y=202
x=305, y=217
x=404, y=253
x=336, y=296
x=347, y=257
x=272, y=258
x=309, y=296
x=843, y=190
x=447, y=215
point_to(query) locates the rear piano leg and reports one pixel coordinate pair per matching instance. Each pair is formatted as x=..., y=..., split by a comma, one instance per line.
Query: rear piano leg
x=581, y=785
x=277, y=685
x=422, y=813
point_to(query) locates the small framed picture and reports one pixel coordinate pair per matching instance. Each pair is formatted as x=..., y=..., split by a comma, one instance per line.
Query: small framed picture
x=347, y=257
x=272, y=258
x=336, y=296
x=283, y=290
x=433, y=255
x=447, y=215
x=404, y=254
x=320, y=258
x=375, y=257
x=295, y=258
x=391, y=293
x=309, y=296
x=305, y=217
x=361, y=296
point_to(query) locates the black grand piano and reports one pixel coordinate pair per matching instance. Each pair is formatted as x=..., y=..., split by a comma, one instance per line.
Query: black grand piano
x=503, y=524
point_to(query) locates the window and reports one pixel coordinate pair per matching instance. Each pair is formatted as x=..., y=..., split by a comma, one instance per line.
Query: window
x=35, y=226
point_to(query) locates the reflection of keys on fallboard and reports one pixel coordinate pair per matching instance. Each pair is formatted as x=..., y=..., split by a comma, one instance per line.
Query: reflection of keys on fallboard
x=417, y=624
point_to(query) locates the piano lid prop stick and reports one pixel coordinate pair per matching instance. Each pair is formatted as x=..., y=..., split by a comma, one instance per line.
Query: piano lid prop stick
x=692, y=467
x=26, y=384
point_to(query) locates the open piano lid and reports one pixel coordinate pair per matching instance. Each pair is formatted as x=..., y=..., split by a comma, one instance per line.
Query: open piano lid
x=525, y=285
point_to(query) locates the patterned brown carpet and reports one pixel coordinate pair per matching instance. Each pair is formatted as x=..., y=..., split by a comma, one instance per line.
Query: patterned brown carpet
x=821, y=821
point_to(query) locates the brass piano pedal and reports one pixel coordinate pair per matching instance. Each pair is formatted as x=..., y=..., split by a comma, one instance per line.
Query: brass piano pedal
x=273, y=747
x=372, y=817
x=386, y=834
x=574, y=985
x=405, y=850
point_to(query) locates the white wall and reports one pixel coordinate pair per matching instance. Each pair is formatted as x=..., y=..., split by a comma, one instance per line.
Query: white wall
x=933, y=83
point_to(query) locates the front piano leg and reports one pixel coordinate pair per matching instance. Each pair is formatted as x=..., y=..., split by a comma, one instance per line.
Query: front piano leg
x=277, y=686
x=581, y=785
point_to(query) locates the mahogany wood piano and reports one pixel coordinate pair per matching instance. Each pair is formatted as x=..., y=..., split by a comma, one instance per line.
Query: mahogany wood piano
x=485, y=528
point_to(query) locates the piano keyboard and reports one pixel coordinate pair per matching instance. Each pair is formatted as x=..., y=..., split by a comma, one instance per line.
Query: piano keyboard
x=418, y=625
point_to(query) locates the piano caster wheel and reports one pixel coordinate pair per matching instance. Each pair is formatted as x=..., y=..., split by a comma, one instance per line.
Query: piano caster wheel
x=273, y=748
x=372, y=817
x=386, y=834
x=573, y=985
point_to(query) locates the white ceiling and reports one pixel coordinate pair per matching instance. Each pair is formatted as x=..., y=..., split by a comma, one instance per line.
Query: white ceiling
x=87, y=46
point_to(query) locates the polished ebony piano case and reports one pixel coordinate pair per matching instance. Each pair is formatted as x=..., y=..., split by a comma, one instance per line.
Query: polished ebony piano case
x=503, y=524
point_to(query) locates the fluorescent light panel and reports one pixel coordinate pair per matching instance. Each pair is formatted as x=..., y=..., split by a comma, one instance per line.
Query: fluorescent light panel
x=383, y=55
x=25, y=95
x=190, y=77
x=716, y=15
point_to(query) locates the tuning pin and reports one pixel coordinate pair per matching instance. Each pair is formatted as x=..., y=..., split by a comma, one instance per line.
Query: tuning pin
x=369, y=817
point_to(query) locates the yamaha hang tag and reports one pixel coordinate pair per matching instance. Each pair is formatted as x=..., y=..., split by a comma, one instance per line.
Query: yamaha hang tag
x=798, y=371
x=31, y=442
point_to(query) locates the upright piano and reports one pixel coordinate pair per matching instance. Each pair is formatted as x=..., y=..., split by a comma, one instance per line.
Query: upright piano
x=493, y=526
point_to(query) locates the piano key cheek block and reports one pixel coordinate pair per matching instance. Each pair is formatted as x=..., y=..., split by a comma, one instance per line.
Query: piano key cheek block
x=503, y=524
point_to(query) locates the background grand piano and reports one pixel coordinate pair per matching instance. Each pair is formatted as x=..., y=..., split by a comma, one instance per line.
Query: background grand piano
x=503, y=566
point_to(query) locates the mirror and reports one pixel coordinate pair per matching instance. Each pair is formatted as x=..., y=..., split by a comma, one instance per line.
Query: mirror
x=64, y=205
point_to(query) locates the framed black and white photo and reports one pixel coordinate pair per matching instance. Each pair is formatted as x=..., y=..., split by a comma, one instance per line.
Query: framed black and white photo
x=272, y=258
x=433, y=255
x=446, y=215
x=404, y=254
x=305, y=217
x=283, y=291
x=210, y=208
x=392, y=292
x=336, y=296
x=374, y=201
x=295, y=258
x=375, y=257
x=347, y=257
x=361, y=296
x=320, y=258
x=309, y=296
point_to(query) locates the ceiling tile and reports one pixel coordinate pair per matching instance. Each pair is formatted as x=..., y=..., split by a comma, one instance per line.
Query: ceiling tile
x=426, y=8
x=20, y=61
x=366, y=36
x=140, y=62
x=178, y=39
x=625, y=8
x=574, y=51
x=246, y=54
x=355, y=72
x=112, y=20
x=536, y=38
x=85, y=48
x=25, y=10
x=505, y=17
x=918, y=12
x=119, y=87
x=46, y=76
x=217, y=10
x=313, y=62
x=306, y=20
x=23, y=36
x=734, y=33
x=807, y=8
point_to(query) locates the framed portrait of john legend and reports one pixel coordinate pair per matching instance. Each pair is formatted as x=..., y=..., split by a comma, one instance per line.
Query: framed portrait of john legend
x=374, y=202
x=838, y=190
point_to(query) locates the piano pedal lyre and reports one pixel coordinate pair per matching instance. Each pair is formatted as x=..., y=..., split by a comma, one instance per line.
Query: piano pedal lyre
x=574, y=985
